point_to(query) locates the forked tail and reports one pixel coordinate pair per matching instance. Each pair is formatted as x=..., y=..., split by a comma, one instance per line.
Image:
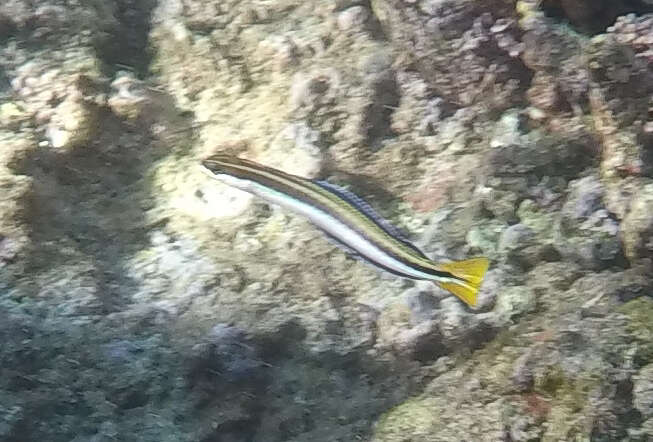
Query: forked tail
x=470, y=273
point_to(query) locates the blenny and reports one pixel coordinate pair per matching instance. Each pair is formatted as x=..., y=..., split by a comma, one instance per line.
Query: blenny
x=351, y=222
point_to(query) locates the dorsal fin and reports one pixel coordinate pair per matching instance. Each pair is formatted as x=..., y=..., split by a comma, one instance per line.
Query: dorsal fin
x=367, y=210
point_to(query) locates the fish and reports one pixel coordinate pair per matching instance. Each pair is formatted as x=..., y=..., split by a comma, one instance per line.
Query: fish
x=350, y=222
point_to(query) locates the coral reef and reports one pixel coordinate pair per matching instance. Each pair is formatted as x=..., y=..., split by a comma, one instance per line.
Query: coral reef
x=140, y=300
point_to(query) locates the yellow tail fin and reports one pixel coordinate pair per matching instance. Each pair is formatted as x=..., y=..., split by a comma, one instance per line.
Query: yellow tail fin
x=471, y=271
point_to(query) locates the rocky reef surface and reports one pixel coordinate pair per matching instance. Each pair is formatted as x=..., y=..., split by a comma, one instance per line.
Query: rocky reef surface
x=141, y=301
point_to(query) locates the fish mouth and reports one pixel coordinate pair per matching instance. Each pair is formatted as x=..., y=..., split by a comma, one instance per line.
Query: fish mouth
x=205, y=167
x=215, y=162
x=209, y=163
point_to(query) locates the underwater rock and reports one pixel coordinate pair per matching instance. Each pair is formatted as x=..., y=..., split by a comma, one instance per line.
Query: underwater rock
x=638, y=225
x=52, y=86
x=383, y=97
x=476, y=415
x=543, y=92
x=619, y=194
x=522, y=376
x=408, y=328
x=502, y=203
x=436, y=189
x=561, y=81
x=15, y=200
x=12, y=418
x=281, y=50
x=128, y=99
x=228, y=353
x=538, y=216
x=619, y=103
x=423, y=305
x=485, y=238
x=11, y=115
x=609, y=291
x=467, y=51
x=416, y=108
x=148, y=107
x=512, y=302
x=643, y=391
x=425, y=327
x=535, y=157
x=635, y=31
x=552, y=278
x=353, y=18
x=15, y=15
x=73, y=124
x=311, y=91
x=473, y=117
x=529, y=165
x=15, y=152
x=493, y=284
x=295, y=150
x=447, y=229
x=586, y=233
x=591, y=16
x=517, y=246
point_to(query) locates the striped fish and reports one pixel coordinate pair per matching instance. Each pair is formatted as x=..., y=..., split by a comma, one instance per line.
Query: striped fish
x=349, y=221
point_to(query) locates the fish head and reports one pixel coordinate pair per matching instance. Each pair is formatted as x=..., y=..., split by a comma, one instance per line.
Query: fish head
x=227, y=169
